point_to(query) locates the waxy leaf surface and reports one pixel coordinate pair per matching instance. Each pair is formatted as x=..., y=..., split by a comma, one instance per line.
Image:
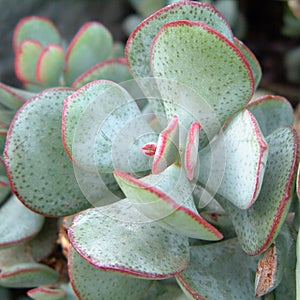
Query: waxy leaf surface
x=141, y=249
x=34, y=157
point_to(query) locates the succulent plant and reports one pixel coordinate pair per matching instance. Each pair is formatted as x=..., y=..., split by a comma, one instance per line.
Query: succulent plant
x=176, y=184
x=44, y=60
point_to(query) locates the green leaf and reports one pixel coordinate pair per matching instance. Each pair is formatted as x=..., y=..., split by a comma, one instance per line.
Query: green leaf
x=91, y=283
x=36, y=28
x=35, y=157
x=9, y=99
x=26, y=60
x=252, y=60
x=114, y=239
x=139, y=42
x=218, y=87
x=50, y=65
x=115, y=70
x=233, y=165
x=44, y=293
x=117, y=51
x=219, y=271
x=105, y=113
x=271, y=112
x=258, y=226
x=27, y=275
x=10, y=231
x=92, y=44
x=166, y=198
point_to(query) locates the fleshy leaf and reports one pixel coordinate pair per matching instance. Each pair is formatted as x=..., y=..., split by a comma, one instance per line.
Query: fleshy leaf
x=26, y=60
x=36, y=28
x=139, y=42
x=210, y=273
x=271, y=112
x=258, y=226
x=10, y=232
x=34, y=158
x=44, y=293
x=167, y=148
x=50, y=65
x=117, y=51
x=27, y=275
x=93, y=42
x=234, y=163
x=9, y=98
x=90, y=283
x=105, y=113
x=254, y=64
x=225, y=86
x=191, y=149
x=141, y=249
x=115, y=70
x=166, y=198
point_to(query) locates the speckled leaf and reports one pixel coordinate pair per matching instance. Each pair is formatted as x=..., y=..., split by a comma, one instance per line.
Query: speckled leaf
x=10, y=231
x=166, y=198
x=254, y=64
x=140, y=249
x=224, y=85
x=258, y=226
x=219, y=271
x=50, y=65
x=26, y=60
x=44, y=293
x=90, y=283
x=115, y=70
x=105, y=113
x=36, y=28
x=9, y=98
x=27, y=275
x=139, y=42
x=234, y=163
x=271, y=112
x=92, y=44
x=34, y=158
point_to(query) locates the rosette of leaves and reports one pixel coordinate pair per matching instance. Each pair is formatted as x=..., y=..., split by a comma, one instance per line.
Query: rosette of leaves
x=195, y=185
x=43, y=59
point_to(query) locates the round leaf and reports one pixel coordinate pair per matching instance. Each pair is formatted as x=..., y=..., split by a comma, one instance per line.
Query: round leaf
x=140, y=249
x=40, y=171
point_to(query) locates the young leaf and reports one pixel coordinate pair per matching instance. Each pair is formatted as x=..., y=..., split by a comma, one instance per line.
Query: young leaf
x=9, y=98
x=36, y=28
x=258, y=226
x=11, y=232
x=219, y=271
x=90, y=283
x=141, y=249
x=233, y=165
x=114, y=69
x=138, y=45
x=50, y=65
x=26, y=60
x=34, y=155
x=91, y=45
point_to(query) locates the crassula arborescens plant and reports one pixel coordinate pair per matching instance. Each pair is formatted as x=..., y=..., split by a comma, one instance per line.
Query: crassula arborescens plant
x=191, y=178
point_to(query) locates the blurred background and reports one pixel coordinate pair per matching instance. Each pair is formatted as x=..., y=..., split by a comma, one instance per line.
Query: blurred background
x=269, y=28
